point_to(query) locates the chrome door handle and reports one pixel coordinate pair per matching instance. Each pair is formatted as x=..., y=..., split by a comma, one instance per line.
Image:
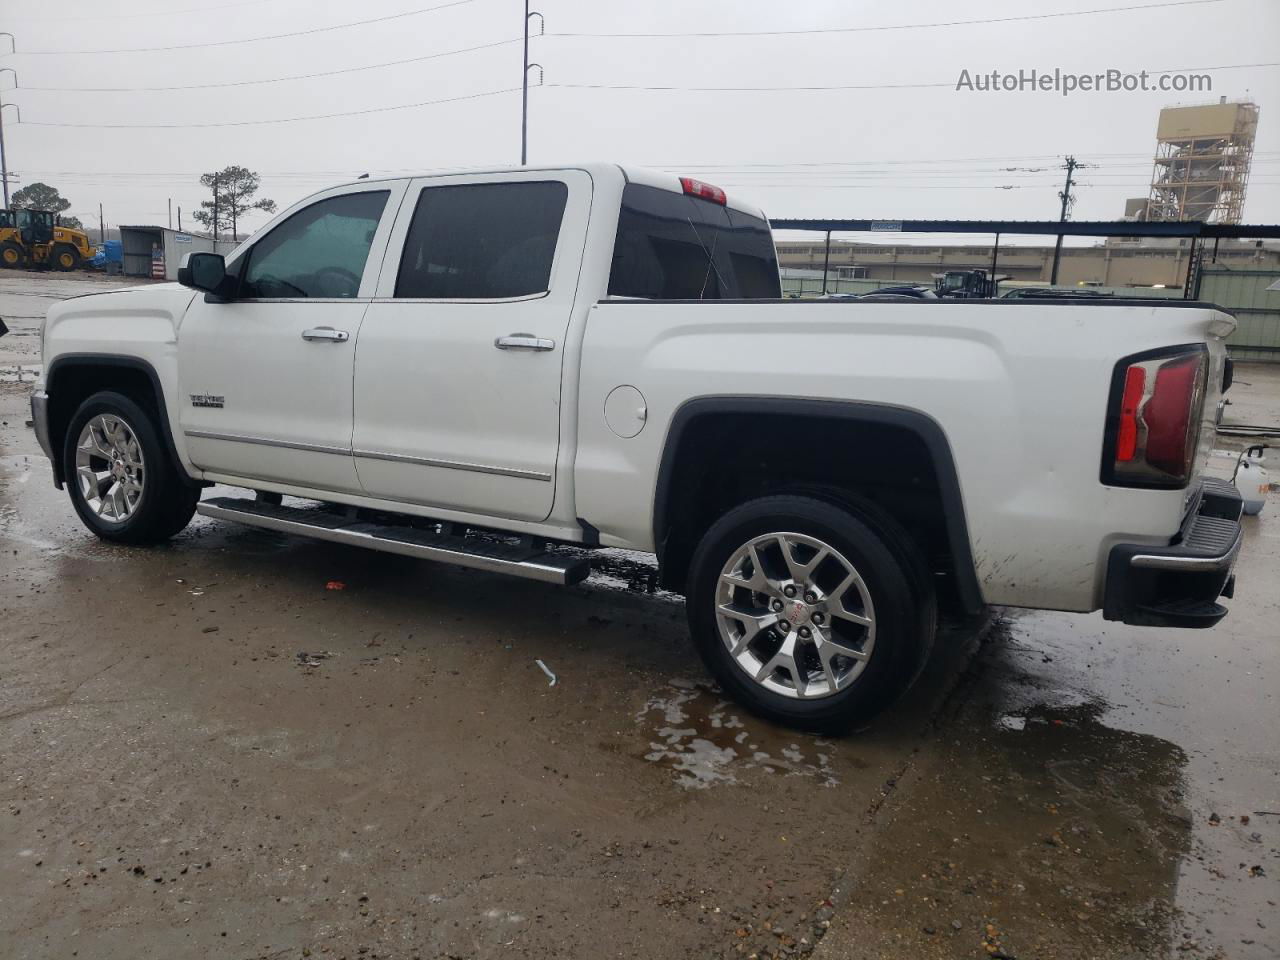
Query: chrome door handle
x=524, y=341
x=326, y=333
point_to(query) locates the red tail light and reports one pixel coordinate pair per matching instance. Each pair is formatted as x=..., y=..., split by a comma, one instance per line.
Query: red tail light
x=704, y=191
x=1154, y=423
x=1135, y=383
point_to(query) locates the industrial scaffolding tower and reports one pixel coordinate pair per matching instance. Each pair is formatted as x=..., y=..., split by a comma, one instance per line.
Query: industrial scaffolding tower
x=1202, y=162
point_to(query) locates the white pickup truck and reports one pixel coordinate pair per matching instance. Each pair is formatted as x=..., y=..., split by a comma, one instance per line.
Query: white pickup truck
x=484, y=367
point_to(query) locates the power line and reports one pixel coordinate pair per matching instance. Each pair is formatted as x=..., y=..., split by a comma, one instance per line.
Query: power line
x=300, y=76
x=258, y=123
x=952, y=174
x=149, y=16
x=566, y=86
x=775, y=168
x=789, y=166
x=956, y=171
x=899, y=26
x=352, y=113
x=907, y=160
x=794, y=89
x=274, y=36
x=674, y=88
x=605, y=35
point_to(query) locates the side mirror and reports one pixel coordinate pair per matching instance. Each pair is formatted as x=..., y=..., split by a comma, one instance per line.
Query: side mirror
x=204, y=271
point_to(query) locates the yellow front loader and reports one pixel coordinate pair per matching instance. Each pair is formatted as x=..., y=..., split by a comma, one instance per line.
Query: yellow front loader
x=33, y=238
x=11, y=253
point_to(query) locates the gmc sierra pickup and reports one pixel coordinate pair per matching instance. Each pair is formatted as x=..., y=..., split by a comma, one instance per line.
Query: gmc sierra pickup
x=484, y=367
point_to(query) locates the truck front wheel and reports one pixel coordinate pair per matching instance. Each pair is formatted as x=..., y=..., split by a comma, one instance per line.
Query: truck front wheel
x=122, y=481
x=809, y=613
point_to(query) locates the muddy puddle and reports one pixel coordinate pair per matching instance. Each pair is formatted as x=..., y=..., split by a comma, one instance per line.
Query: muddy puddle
x=1039, y=829
x=704, y=740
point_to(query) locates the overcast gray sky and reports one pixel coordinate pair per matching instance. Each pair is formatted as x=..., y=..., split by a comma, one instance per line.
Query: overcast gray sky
x=904, y=149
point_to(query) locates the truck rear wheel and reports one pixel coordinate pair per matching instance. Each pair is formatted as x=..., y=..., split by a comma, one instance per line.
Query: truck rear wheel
x=809, y=613
x=65, y=257
x=10, y=255
x=122, y=481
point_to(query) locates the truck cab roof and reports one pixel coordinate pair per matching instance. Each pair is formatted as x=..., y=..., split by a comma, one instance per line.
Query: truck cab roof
x=601, y=172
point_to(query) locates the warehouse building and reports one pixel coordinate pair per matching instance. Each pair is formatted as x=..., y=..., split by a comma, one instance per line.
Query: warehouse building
x=1120, y=262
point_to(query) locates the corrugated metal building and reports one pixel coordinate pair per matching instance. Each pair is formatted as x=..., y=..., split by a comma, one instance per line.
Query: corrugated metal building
x=158, y=251
x=1245, y=294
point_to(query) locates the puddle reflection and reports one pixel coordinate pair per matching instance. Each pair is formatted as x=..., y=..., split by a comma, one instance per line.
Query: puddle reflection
x=694, y=730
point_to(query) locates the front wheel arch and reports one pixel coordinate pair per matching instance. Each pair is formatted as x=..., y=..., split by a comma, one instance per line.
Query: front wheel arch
x=73, y=377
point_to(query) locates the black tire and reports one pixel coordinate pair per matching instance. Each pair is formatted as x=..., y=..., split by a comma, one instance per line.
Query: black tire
x=11, y=255
x=166, y=503
x=897, y=583
x=64, y=258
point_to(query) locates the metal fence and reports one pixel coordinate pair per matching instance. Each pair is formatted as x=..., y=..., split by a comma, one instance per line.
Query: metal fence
x=1243, y=293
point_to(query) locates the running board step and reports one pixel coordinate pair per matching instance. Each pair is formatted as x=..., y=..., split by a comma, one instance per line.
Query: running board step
x=532, y=562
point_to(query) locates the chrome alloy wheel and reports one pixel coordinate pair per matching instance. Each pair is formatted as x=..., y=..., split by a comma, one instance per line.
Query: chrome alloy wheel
x=109, y=468
x=795, y=615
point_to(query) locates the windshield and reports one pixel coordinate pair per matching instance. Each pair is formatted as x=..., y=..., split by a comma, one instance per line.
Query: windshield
x=675, y=247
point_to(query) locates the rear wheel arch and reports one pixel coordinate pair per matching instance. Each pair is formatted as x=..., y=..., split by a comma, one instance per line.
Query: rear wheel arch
x=72, y=378
x=695, y=484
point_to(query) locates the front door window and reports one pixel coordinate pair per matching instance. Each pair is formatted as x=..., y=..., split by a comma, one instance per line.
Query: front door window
x=319, y=252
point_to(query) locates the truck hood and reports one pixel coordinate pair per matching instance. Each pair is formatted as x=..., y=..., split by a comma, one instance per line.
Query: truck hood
x=130, y=321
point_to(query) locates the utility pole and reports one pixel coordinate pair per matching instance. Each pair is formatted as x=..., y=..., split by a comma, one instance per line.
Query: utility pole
x=826, y=263
x=524, y=82
x=4, y=161
x=171, y=213
x=1067, y=200
x=215, y=210
x=102, y=226
x=4, y=157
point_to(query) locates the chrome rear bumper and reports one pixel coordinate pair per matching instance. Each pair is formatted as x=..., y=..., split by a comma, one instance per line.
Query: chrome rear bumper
x=1178, y=585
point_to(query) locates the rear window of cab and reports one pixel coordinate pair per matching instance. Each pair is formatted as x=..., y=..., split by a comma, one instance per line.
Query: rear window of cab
x=672, y=246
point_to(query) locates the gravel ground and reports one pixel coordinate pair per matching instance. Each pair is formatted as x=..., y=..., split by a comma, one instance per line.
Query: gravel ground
x=205, y=752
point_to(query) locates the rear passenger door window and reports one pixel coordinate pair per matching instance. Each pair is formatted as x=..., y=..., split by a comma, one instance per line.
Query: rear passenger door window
x=482, y=241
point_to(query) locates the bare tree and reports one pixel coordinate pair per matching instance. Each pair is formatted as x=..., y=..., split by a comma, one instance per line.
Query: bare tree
x=233, y=189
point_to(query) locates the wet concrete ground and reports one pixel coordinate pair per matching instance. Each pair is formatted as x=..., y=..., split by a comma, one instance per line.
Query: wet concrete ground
x=206, y=753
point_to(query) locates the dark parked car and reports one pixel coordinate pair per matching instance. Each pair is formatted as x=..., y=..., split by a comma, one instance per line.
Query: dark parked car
x=906, y=291
x=1052, y=293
